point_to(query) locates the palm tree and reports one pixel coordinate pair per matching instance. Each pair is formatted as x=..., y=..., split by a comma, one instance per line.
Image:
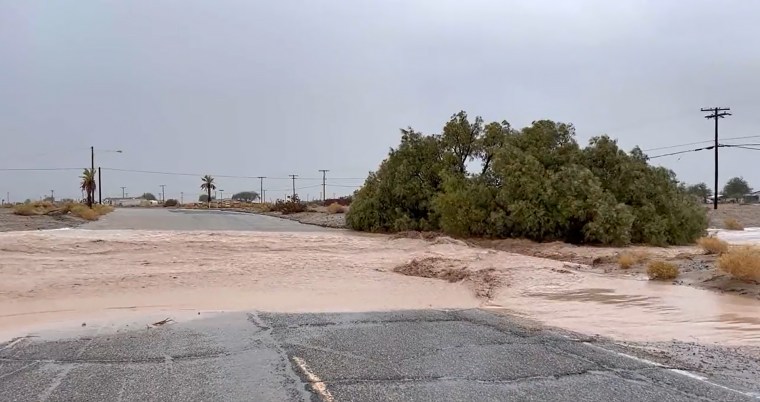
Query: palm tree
x=208, y=185
x=88, y=185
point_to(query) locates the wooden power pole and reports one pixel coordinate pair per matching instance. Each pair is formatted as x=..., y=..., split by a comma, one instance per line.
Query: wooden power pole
x=324, y=180
x=717, y=113
x=293, y=176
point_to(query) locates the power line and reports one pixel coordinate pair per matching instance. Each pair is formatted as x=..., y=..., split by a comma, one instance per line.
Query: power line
x=222, y=176
x=700, y=142
x=36, y=169
x=681, y=152
x=743, y=147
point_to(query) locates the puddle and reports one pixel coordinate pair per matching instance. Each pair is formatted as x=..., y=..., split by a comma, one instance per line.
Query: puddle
x=634, y=309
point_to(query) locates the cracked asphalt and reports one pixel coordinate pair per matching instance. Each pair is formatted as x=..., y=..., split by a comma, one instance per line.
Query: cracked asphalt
x=464, y=355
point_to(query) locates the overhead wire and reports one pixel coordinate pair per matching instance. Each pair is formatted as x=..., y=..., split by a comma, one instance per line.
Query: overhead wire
x=700, y=142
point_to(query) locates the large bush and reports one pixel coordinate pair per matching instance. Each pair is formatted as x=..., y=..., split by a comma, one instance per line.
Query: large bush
x=534, y=183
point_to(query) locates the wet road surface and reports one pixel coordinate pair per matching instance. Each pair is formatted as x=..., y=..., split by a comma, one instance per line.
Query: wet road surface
x=177, y=219
x=433, y=355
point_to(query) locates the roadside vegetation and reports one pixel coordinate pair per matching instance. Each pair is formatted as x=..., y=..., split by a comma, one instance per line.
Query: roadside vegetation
x=712, y=245
x=742, y=262
x=628, y=259
x=491, y=180
x=336, y=208
x=733, y=224
x=662, y=271
x=59, y=209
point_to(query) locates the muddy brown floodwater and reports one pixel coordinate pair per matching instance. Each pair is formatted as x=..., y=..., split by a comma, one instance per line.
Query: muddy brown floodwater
x=54, y=277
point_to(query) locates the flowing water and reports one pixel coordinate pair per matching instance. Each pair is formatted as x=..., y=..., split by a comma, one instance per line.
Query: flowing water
x=60, y=276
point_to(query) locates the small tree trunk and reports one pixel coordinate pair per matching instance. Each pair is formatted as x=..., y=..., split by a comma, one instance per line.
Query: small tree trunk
x=209, y=198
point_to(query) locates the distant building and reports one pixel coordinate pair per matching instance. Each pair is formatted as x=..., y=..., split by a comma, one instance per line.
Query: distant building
x=125, y=202
x=751, y=198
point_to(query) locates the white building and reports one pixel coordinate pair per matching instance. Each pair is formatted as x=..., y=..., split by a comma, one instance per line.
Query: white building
x=126, y=202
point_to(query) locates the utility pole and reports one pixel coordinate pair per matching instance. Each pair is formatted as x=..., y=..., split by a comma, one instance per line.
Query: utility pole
x=261, y=190
x=92, y=158
x=181, y=197
x=324, y=179
x=163, y=194
x=123, y=194
x=293, y=176
x=100, y=188
x=717, y=113
x=52, y=195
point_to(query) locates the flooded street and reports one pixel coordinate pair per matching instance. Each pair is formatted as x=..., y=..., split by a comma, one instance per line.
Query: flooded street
x=78, y=275
x=633, y=309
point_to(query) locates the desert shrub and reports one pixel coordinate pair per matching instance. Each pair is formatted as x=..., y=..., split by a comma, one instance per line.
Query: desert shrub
x=171, y=202
x=534, y=183
x=35, y=208
x=345, y=201
x=336, y=208
x=630, y=258
x=661, y=270
x=742, y=262
x=26, y=210
x=290, y=206
x=732, y=224
x=84, y=212
x=626, y=260
x=90, y=214
x=712, y=245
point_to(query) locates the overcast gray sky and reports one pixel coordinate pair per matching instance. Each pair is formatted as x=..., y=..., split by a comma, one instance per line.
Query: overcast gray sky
x=257, y=88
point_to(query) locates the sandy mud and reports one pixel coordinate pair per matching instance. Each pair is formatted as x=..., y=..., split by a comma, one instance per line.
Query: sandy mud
x=69, y=275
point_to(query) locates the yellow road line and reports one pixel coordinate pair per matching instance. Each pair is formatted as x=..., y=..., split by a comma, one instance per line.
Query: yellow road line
x=316, y=383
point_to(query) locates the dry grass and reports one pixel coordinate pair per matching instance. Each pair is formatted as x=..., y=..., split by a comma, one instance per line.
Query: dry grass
x=90, y=214
x=34, y=208
x=742, y=262
x=732, y=224
x=661, y=270
x=629, y=259
x=336, y=208
x=713, y=245
x=25, y=210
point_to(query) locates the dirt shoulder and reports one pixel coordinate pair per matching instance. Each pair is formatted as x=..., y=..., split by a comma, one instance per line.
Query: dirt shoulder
x=11, y=222
x=335, y=221
x=697, y=269
x=746, y=214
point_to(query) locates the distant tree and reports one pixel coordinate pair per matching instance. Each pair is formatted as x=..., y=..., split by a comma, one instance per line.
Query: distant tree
x=208, y=185
x=88, y=185
x=736, y=187
x=246, y=196
x=48, y=199
x=700, y=190
x=204, y=198
x=148, y=196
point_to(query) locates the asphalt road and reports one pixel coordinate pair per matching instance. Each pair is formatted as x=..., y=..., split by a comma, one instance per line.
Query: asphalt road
x=173, y=219
x=431, y=355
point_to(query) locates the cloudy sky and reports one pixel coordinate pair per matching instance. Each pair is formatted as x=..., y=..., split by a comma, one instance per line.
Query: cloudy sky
x=272, y=88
